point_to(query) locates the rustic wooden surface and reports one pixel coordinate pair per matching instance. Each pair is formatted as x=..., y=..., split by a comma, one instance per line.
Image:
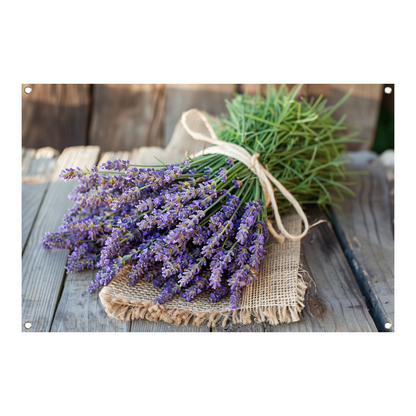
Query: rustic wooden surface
x=334, y=304
x=43, y=270
x=365, y=230
x=37, y=168
x=55, y=115
x=362, y=107
x=81, y=311
x=126, y=116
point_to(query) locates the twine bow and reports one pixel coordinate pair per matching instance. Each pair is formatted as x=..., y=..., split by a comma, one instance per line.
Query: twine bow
x=251, y=161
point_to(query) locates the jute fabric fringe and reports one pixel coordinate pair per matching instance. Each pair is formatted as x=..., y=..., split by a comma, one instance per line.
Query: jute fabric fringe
x=275, y=297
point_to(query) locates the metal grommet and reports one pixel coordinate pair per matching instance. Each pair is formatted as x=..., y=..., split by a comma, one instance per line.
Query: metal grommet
x=28, y=90
x=28, y=325
x=388, y=90
x=388, y=325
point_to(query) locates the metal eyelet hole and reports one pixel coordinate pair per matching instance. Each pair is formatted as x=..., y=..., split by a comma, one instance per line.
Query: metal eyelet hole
x=28, y=325
x=388, y=325
x=28, y=90
x=388, y=90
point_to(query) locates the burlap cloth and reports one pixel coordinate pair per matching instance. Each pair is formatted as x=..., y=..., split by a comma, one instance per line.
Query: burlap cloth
x=276, y=296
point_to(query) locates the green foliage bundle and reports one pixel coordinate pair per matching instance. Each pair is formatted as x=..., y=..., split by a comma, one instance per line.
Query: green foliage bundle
x=298, y=141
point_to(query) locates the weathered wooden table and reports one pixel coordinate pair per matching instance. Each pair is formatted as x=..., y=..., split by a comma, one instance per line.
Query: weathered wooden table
x=350, y=262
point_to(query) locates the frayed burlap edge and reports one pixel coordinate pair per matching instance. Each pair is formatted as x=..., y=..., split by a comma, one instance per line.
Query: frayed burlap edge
x=127, y=310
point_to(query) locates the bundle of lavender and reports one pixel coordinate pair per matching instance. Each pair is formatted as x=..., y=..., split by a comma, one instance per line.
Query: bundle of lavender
x=202, y=224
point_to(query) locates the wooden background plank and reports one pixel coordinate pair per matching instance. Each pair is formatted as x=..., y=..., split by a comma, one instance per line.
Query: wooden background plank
x=81, y=311
x=37, y=168
x=364, y=228
x=126, y=116
x=362, y=108
x=43, y=270
x=183, y=97
x=55, y=115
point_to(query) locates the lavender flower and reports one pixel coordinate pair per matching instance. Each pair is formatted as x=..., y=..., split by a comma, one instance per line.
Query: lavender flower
x=229, y=161
x=257, y=251
x=217, y=294
x=222, y=175
x=81, y=258
x=182, y=236
x=116, y=164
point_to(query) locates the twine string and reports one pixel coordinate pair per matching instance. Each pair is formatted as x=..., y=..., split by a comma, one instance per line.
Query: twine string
x=251, y=161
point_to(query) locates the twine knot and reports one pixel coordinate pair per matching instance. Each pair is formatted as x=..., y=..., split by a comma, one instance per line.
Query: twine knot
x=194, y=118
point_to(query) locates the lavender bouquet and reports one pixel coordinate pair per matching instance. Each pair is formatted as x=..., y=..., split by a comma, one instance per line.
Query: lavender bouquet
x=202, y=224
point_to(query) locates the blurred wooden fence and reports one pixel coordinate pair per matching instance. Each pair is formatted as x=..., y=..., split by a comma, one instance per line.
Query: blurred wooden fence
x=121, y=117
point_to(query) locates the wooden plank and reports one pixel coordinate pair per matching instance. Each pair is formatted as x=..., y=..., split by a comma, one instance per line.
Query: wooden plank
x=364, y=229
x=36, y=170
x=362, y=108
x=27, y=159
x=230, y=327
x=143, y=325
x=334, y=302
x=81, y=311
x=183, y=97
x=55, y=115
x=43, y=270
x=127, y=116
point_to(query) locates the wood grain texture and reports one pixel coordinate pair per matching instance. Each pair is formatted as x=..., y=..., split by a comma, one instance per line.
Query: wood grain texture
x=81, y=311
x=230, y=327
x=127, y=116
x=183, y=97
x=334, y=302
x=364, y=228
x=28, y=156
x=55, y=115
x=362, y=108
x=143, y=325
x=37, y=167
x=43, y=270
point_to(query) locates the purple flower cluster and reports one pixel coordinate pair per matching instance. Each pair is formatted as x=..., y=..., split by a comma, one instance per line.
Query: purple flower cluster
x=185, y=230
